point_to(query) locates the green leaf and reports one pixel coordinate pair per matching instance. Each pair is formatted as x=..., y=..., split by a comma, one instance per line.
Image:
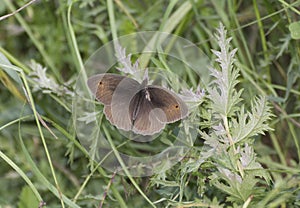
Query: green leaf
x=222, y=90
x=252, y=123
x=295, y=30
x=238, y=189
x=27, y=198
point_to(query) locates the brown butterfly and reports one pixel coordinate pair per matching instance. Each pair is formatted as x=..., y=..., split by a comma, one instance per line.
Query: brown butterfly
x=133, y=106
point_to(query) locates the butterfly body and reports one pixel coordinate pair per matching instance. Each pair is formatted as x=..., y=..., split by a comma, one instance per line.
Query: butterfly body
x=131, y=106
x=137, y=105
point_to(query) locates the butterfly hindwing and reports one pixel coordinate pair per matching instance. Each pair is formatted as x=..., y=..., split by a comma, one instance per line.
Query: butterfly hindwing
x=143, y=115
x=118, y=119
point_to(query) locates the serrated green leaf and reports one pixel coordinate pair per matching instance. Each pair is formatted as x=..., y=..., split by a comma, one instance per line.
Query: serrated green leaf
x=222, y=90
x=239, y=189
x=252, y=123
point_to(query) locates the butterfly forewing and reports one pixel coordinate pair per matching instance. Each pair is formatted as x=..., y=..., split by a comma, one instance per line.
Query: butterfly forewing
x=172, y=107
x=103, y=86
x=115, y=92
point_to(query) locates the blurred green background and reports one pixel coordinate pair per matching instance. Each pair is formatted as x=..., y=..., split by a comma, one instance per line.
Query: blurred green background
x=60, y=35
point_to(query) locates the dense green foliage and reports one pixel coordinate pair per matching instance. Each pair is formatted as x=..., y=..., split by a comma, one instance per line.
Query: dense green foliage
x=246, y=153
